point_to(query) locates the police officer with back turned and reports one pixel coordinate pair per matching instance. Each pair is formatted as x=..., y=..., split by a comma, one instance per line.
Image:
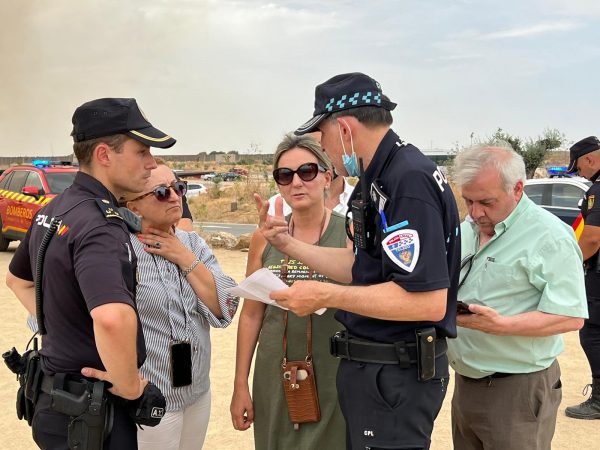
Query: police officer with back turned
x=585, y=159
x=401, y=304
x=87, y=282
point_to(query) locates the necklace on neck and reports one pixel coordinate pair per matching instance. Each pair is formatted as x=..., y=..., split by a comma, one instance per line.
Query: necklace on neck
x=291, y=226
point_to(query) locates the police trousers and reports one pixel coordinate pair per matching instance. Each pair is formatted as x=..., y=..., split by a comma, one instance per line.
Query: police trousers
x=49, y=428
x=589, y=336
x=387, y=407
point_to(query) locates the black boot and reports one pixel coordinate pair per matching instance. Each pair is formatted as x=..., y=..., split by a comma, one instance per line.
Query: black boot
x=590, y=409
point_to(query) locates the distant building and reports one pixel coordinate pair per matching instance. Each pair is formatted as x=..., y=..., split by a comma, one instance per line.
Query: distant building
x=7, y=161
x=214, y=157
x=439, y=155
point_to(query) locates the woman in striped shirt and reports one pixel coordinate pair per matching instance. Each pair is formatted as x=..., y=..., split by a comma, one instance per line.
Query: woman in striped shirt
x=180, y=293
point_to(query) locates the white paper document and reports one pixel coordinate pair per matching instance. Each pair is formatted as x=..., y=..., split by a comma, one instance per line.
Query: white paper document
x=259, y=285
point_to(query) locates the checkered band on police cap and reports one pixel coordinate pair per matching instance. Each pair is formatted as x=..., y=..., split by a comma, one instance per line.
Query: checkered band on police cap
x=345, y=91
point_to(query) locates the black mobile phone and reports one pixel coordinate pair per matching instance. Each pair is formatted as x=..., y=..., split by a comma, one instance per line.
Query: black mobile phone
x=181, y=363
x=462, y=308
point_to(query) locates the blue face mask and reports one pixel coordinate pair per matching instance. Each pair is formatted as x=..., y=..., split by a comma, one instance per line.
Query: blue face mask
x=350, y=161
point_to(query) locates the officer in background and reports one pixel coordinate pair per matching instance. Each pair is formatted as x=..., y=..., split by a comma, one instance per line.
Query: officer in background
x=88, y=282
x=401, y=305
x=585, y=159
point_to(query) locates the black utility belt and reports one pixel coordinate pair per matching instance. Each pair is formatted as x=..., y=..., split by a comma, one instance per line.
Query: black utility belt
x=421, y=352
x=52, y=383
x=71, y=392
x=494, y=375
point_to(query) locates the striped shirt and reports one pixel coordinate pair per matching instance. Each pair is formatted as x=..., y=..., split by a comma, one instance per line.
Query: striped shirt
x=171, y=311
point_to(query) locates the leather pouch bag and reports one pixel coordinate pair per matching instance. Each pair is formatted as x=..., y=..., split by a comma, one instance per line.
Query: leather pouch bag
x=298, y=377
x=299, y=386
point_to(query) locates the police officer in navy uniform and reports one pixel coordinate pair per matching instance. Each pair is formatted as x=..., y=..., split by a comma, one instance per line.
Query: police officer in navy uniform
x=585, y=159
x=88, y=283
x=403, y=268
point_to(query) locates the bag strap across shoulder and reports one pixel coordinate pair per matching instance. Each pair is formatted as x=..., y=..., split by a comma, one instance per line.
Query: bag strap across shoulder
x=283, y=276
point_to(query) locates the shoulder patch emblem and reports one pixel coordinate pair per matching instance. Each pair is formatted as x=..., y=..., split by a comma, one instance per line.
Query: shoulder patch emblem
x=402, y=247
x=590, y=202
x=107, y=209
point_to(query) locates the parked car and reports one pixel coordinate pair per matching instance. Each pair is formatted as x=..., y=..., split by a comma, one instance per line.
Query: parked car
x=561, y=196
x=229, y=176
x=194, y=189
x=208, y=176
x=240, y=171
x=24, y=190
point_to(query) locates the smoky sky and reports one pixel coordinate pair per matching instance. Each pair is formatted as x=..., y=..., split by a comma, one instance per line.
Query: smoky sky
x=227, y=75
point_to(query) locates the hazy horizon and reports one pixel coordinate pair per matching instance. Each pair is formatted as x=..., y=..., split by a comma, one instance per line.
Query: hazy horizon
x=234, y=75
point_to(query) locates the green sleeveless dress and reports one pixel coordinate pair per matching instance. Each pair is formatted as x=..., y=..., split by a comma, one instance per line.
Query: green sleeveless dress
x=272, y=427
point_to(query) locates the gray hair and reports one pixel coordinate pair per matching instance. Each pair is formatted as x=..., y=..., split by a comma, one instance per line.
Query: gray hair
x=305, y=142
x=469, y=163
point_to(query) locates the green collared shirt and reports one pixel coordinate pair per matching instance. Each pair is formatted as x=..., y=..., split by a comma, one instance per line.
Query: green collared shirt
x=532, y=263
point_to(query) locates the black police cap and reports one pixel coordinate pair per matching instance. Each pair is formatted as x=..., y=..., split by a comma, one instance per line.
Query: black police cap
x=583, y=147
x=345, y=91
x=108, y=116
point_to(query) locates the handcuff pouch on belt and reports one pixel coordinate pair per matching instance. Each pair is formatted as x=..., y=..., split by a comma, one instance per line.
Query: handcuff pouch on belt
x=426, y=338
x=298, y=377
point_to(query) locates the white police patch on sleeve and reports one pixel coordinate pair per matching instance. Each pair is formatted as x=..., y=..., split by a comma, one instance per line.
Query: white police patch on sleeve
x=402, y=247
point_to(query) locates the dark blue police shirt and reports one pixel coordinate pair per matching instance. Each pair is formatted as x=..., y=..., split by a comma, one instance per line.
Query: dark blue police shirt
x=590, y=210
x=418, y=193
x=89, y=262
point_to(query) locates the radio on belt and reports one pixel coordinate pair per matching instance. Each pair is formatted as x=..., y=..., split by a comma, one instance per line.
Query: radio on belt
x=362, y=215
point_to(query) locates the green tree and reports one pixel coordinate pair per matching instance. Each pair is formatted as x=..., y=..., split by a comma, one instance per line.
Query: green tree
x=501, y=135
x=533, y=151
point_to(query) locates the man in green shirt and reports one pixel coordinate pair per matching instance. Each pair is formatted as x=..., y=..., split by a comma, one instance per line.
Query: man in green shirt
x=522, y=282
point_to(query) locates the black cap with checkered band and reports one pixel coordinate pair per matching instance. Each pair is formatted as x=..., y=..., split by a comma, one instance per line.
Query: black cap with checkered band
x=345, y=91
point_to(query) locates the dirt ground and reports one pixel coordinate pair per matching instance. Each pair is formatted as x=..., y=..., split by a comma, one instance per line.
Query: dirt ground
x=14, y=434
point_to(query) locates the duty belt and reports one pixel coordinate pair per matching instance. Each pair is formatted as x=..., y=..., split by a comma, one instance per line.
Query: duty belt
x=344, y=345
x=52, y=382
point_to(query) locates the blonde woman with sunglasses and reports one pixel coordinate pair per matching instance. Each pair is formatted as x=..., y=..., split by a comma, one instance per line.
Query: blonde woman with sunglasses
x=180, y=294
x=303, y=174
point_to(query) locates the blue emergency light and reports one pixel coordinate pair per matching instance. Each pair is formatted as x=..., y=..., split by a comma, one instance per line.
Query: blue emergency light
x=40, y=162
x=558, y=171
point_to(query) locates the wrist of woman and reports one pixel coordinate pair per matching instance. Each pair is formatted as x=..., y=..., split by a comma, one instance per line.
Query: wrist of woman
x=241, y=385
x=185, y=259
x=186, y=270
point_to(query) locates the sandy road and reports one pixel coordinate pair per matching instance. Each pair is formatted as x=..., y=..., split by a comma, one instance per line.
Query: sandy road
x=14, y=434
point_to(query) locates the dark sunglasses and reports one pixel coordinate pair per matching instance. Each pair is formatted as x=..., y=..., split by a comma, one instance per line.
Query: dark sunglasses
x=467, y=262
x=162, y=193
x=307, y=172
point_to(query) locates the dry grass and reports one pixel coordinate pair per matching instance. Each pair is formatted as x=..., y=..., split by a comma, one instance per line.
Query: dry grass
x=217, y=205
x=232, y=202
x=460, y=202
